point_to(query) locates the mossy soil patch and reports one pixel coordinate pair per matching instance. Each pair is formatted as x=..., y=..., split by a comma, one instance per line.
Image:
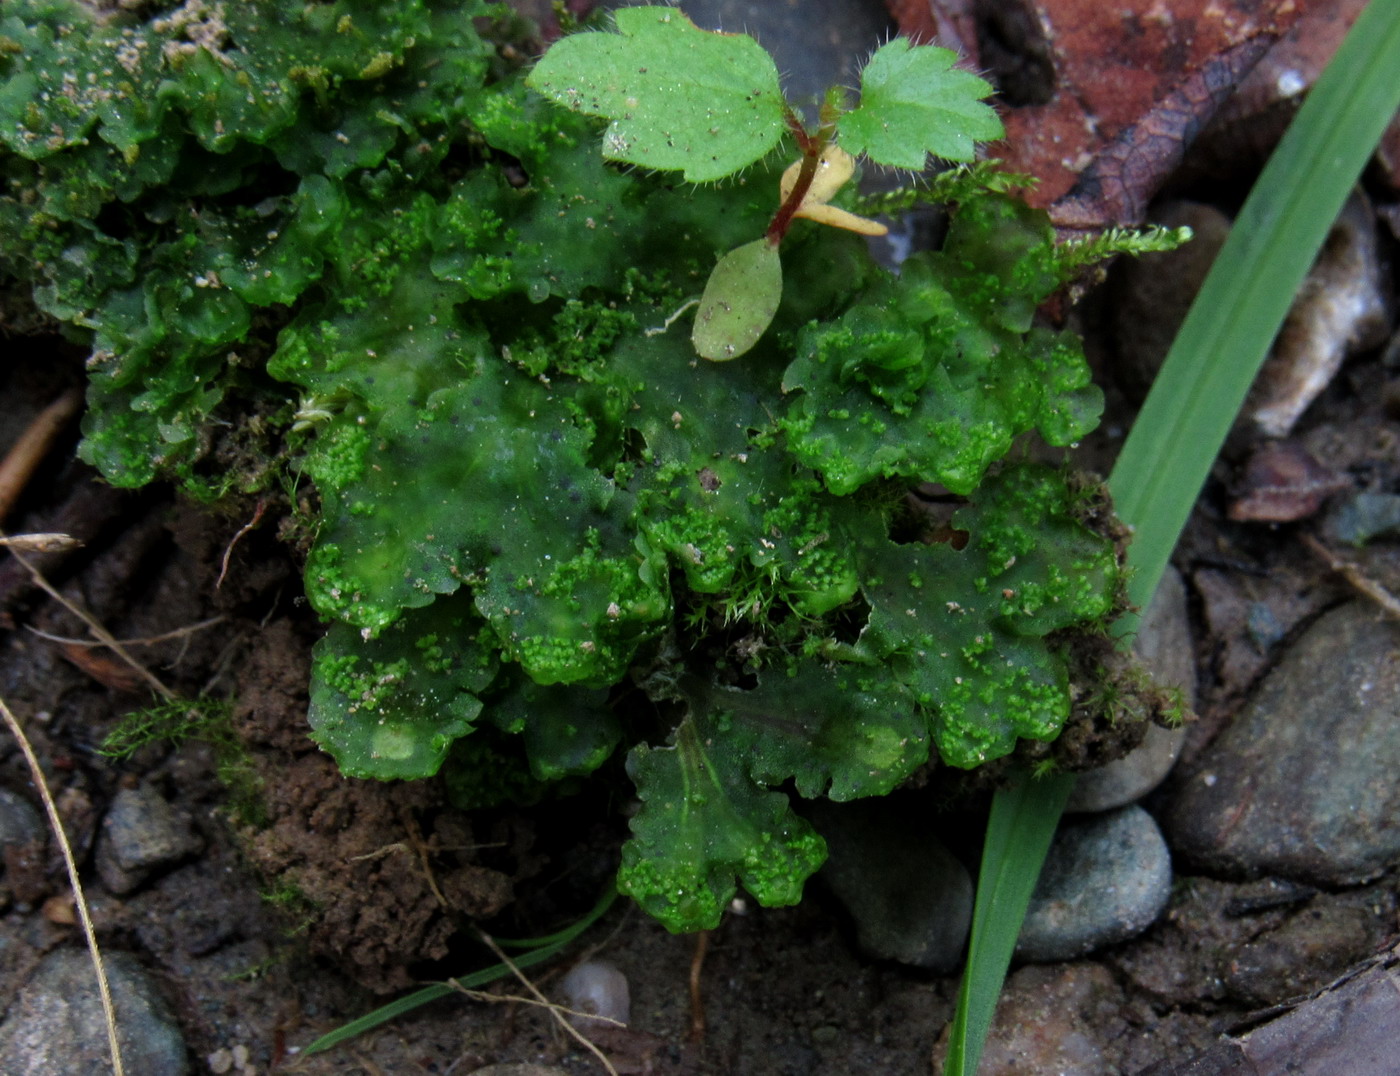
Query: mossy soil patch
x=317, y=897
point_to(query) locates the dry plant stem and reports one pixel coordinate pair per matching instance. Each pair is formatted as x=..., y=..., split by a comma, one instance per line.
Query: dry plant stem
x=500, y=955
x=697, y=999
x=33, y=445
x=1352, y=574
x=482, y=995
x=149, y=640
x=103, y=989
x=228, y=550
x=101, y=633
x=41, y=543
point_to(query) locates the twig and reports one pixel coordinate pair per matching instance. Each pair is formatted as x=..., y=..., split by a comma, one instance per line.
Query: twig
x=1355, y=576
x=490, y=943
x=697, y=998
x=42, y=543
x=33, y=445
x=149, y=640
x=482, y=995
x=97, y=629
x=228, y=550
x=103, y=989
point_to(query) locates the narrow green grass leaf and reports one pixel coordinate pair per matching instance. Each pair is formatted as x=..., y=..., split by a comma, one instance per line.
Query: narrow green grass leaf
x=553, y=945
x=1246, y=295
x=1193, y=404
x=1019, y=831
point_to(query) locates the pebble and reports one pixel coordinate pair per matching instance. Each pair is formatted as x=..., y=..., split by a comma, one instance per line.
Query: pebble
x=19, y=820
x=1302, y=782
x=910, y=898
x=598, y=989
x=1312, y=948
x=23, y=839
x=56, y=1025
x=1041, y=1021
x=141, y=834
x=1107, y=878
x=1163, y=644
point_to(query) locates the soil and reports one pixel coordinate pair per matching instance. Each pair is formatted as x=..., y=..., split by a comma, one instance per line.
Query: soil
x=316, y=898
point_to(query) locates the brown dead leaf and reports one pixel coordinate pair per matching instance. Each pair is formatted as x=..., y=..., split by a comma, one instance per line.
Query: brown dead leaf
x=60, y=910
x=1119, y=90
x=1134, y=82
x=110, y=673
x=1283, y=483
x=950, y=23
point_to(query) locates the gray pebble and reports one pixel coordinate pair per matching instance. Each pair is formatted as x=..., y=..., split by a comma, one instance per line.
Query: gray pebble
x=1043, y=1019
x=1106, y=878
x=1302, y=782
x=597, y=988
x=1163, y=644
x=19, y=820
x=56, y=1023
x=141, y=834
x=910, y=898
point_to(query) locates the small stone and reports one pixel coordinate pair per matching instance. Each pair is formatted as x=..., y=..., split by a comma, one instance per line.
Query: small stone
x=910, y=898
x=240, y=1055
x=1041, y=1020
x=23, y=838
x=1106, y=878
x=220, y=1061
x=596, y=988
x=19, y=821
x=56, y=1024
x=1312, y=948
x=1302, y=782
x=1163, y=644
x=141, y=834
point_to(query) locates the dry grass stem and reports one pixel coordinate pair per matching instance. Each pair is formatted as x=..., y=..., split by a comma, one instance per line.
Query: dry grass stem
x=33, y=445
x=149, y=640
x=228, y=550
x=482, y=995
x=103, y=988
x=99, y=632
x=1358, y=579
x=554, y=1010
x=41, y=543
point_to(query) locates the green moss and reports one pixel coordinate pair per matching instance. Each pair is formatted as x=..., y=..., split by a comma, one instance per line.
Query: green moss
x=534, y=496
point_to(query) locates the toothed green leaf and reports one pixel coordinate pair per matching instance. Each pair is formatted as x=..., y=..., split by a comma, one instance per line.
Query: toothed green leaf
x=914, y=102
x=679, y=98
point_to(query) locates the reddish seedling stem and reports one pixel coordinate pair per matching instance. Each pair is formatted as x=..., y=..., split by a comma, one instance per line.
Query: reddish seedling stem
x=811, y=146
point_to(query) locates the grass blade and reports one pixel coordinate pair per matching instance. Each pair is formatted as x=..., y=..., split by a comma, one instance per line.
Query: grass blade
x=1188, y=413
x=1250, y=287
x=1019, y=831
x=552, y=947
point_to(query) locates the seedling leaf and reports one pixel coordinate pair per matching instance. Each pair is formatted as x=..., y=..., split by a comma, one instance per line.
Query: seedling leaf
x=913, y=102
x=740, y=299
x=679, y=98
